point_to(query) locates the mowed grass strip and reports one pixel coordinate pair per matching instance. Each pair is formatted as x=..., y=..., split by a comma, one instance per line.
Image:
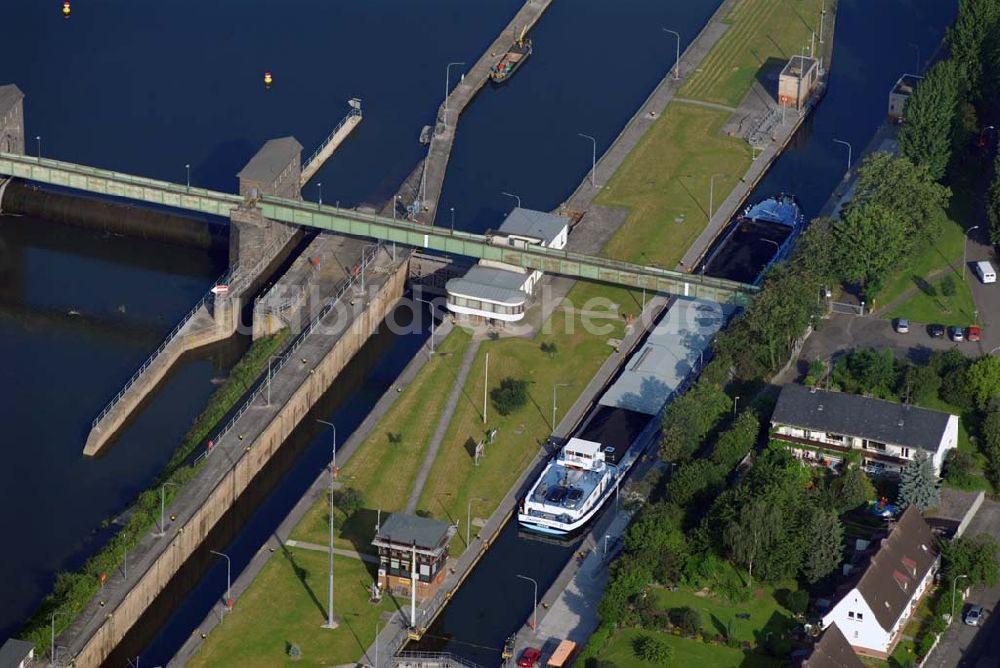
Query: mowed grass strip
x=762, y=34
x=385, y=471
x=665, y=183
x=455, y=479
x=286, y=605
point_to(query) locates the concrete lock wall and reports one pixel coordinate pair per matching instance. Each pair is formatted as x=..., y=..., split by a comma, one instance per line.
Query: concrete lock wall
x=225, y=493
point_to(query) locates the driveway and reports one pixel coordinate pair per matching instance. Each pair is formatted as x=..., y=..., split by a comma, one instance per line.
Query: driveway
x=986, y=295
x=974, y=646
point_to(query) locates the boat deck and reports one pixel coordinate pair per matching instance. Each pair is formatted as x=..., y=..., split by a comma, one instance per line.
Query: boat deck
x=562, y=488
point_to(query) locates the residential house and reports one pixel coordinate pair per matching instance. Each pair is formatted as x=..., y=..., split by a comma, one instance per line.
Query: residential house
x=498, y=292
x=820, y=427
x=832, y=651
x=874, y=611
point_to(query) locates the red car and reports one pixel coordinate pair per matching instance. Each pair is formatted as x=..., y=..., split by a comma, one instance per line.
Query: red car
x=973, y=334
x=529, y=657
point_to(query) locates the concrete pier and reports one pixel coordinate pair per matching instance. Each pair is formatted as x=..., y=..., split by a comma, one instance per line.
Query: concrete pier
x=241, y=449
x=332, y=142
x=439, y=151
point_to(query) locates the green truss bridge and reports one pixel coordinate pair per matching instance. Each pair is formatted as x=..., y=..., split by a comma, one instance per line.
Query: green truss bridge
x=353, y=223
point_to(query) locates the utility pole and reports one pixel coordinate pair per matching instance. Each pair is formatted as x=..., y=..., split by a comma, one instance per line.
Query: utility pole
x=413, y=586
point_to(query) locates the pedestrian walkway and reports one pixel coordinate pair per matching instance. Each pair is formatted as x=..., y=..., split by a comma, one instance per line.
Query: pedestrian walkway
x=316, y=547
x=442, y=427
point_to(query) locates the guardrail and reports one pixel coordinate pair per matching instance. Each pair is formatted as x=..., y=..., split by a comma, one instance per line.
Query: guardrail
x=442, y=659
x=354, y=112
x=149, y=360
x=293, y=346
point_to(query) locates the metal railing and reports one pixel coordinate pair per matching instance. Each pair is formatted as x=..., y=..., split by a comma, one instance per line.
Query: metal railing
x=149, y=360
x=344, y=221
x=354, y=112
x=293, y=346
x=442, y=659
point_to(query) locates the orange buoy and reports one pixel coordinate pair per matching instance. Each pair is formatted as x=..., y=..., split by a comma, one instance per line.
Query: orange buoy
x=66, y=9
x=267, y=79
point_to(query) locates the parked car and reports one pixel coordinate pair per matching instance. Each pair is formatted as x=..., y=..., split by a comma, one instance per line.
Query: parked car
x=935, y=331
x=973, y=333
x=973, y=615
x=529, y=657
x=902, y=326
x=955, y=333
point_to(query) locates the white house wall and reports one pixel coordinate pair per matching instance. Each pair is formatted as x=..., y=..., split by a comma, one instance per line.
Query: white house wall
x=864, y=634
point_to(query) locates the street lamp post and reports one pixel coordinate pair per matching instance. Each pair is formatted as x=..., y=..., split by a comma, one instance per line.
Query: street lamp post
x=849, y=151
x=556, y=385
x=447, y=90
x=606, y=537
x=187, y=168
x=319, y=185
x=38, y=140
x=965, y=244
x=593, y=159
x=163, y=524
x=956, y=578
x=917, y=48
x=453, y=220
x=52, y=645
x=468, y=517
x=677, y=58
x=229, y=573
x=711, y=195
x=430, y=352
x=516, y=198
x=735, y=400
x=534, y=607
x=330, y=623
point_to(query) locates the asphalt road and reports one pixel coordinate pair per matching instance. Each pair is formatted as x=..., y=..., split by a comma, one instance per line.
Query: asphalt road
x=974, y=646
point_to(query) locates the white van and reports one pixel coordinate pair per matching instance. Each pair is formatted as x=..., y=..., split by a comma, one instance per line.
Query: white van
x=987, y=274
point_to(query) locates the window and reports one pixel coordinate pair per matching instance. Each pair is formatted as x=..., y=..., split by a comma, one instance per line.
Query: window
x=860, y=617
x=905, y=452
x=850, y=615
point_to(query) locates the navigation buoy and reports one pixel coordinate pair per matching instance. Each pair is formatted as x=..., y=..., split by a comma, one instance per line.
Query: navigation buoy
x=267, y=76
x=66, y=9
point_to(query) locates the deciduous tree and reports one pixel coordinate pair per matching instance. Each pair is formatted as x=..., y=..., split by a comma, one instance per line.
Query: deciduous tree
x=752, y=533
x=983, y=379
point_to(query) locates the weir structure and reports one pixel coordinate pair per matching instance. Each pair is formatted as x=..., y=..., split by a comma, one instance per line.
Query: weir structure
x=354, y=223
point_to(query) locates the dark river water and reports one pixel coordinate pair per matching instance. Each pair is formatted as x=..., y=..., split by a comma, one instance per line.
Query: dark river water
x=148, y=88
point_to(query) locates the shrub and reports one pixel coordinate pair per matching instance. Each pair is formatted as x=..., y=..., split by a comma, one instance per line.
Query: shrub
x=511, y=395
x=652, y=649
x=687, y=619
x=960, y=469
x=349, y=500
x=394, y=439
x=293, y=651
x=798, y=601
x=549, y=348
x=925, y=644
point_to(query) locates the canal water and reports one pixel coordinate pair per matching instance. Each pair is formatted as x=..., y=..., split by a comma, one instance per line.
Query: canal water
x=149, y=90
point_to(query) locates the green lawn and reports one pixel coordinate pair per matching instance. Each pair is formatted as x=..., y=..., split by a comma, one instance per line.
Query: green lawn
x=280, y=608
x=384, y=472
x=454, y=479
x=766, y=614
x=945, y=254
x=620, y=650
x=665, y=181
x=762, y=33
x=933, y=307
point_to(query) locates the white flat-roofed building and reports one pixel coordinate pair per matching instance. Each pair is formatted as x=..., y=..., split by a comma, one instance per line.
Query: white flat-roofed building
x=490, y=289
